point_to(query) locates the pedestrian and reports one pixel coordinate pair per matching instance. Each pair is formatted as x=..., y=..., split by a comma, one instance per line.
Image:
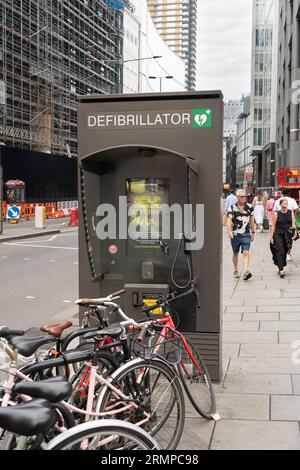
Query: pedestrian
x=240, y=225
x=259, y=211
x=282, y=235
x=292, y=206
x=231, y=200
x=270, y=209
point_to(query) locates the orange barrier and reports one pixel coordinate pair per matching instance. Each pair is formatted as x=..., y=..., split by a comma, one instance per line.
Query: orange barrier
x=28, y=210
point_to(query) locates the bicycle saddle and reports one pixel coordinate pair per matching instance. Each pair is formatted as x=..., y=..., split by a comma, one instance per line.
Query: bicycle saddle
x=54, y=389
x=28, y=419
x=28, y=345
x=57, y=329
x=113, y=332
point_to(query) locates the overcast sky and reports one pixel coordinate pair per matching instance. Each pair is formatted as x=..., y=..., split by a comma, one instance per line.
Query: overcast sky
x=224, y=46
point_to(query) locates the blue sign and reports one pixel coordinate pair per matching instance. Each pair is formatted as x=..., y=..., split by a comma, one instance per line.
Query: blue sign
x=117, y=4
x=13, y=212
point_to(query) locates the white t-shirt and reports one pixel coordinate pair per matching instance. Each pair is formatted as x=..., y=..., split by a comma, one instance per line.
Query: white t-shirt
x=292, y=204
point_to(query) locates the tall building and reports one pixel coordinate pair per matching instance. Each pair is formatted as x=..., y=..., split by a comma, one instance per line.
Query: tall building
x=51, y=51
x=149, y=63
x=244, y=167
x=176, y=21
x=232, y=109
x=264, y=91
x=288, y=111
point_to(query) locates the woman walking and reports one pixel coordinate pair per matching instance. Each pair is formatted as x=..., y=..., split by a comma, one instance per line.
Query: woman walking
x=259, y=211
x=282, y=233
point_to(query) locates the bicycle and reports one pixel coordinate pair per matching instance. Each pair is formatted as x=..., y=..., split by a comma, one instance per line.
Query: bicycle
x=191, y=368
x=139, y=405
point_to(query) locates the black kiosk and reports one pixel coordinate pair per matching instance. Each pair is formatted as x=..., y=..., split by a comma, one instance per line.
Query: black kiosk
x=150, y=185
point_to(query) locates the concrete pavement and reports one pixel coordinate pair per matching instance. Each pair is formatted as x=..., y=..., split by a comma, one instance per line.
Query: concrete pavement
x=259, y=397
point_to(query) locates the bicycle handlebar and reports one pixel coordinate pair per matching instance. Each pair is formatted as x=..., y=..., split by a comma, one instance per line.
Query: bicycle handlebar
x=6, y=332
x=170, y=298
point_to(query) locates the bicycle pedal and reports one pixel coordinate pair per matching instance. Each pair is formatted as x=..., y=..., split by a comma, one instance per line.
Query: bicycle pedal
x=216, y=417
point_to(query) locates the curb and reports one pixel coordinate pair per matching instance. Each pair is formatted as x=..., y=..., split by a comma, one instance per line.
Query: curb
x=29, y=235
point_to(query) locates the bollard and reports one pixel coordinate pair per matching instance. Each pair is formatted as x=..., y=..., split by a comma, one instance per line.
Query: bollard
x=40, y=217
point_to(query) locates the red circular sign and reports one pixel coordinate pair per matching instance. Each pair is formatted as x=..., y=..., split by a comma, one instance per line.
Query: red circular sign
x=113, y=249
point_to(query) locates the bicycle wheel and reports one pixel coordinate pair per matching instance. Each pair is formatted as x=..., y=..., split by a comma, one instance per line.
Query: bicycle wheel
x=196, y=381
x=150, y=387
x=104, y=435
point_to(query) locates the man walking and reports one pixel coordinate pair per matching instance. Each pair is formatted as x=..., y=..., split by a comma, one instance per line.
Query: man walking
x=231, y=200
x=240, y=225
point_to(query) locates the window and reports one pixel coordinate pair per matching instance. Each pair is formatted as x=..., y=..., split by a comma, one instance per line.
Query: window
x=258, y=114
x=258, y=87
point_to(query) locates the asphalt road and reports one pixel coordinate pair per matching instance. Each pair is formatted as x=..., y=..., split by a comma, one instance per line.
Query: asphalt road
x=38, y=280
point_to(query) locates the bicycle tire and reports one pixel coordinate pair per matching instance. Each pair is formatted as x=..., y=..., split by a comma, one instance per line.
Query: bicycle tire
x=196, y=381
x=157, y=391
x=130, y=436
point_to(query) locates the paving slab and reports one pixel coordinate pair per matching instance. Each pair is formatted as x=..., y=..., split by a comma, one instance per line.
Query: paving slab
x=264, y=384
x=289, y=337
x=278, y=308
x=265, y=350
x=232, y=317
x=280, y=326
x=263, y=365
x=197, y=434
x=271, y=301
x=250, y=337
x=290, y=316
x=254, y=435
x=240, y=326
x=237, y=406
x=230, y=350
x=285, y=408
x=250, y=317
x=241, y=309
x=296, y=384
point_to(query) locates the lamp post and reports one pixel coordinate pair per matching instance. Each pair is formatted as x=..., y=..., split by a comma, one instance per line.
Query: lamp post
x=168, y=77
x=2, y=144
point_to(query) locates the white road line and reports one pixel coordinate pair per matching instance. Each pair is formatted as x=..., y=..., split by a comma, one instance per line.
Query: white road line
x=76, y=263
x=68, y=302
x=4, y=257
x=27, y=259
x=43, y=246
x=52, y=260
x=52, y=238
x=29, y=297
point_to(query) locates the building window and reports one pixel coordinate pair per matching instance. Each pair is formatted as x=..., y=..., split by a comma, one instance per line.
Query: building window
x=258, y=114
x=257, y=136
x=258, y=87
x=260, y=37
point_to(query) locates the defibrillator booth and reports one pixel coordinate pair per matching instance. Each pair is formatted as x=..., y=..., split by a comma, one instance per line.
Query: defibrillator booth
x=150, y=184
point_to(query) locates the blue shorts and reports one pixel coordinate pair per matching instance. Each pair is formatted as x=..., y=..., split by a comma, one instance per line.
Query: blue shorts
x=241, y=241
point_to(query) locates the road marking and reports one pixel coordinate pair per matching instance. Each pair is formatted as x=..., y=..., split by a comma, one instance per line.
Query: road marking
x=43, y=246
x=52, y=260
x=27, y=259
x=68, y=302
x=29, y=297
x=76, y=263
x=52, y=238
x=4, y=257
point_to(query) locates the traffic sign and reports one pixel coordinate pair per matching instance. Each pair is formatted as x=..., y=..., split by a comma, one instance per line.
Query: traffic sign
x=13, y=212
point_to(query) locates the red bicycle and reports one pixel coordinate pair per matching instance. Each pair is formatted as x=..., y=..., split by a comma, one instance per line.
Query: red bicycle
x=159, y=338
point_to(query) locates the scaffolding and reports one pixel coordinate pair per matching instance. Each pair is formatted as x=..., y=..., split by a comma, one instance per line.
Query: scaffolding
x=51, y=51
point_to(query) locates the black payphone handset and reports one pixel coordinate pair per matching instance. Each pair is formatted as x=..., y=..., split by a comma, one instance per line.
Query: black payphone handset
x=193, y=281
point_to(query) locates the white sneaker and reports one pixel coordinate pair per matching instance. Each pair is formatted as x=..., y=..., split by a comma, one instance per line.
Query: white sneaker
x=289, y=258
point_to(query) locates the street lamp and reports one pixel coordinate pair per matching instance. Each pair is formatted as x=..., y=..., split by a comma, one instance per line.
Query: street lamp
x=2, y=144
x=168, y=77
